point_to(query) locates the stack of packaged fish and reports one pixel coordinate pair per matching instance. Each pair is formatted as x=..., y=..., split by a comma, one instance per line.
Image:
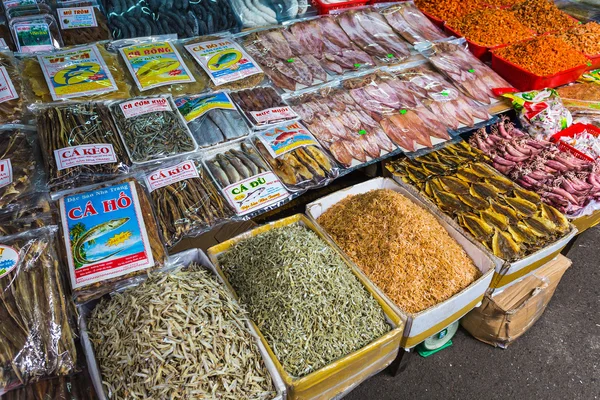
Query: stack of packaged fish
x=342, y=126
x=562, y=180
x=411, y=24
x=270, y=12
x=510, y=221
x=263, y=107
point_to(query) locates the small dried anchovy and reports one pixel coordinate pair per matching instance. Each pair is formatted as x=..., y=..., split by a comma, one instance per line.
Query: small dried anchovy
x=178, y=335
x=154, y=135
x=16, y=147
x=303, y=297
x=79, y=124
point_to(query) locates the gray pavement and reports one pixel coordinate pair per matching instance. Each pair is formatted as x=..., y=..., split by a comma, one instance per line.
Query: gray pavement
x=559, y=358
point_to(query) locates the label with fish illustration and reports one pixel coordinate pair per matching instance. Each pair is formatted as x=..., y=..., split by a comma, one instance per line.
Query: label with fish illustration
x=6, y=175
x=272, y=115
x=223, y=60
x=254, y=193
x=105, y=234
x=7, y=90
x=76, y=17
x=155, y=64
x=9, y=259
x=168, y=176
x=85, y=154
x=192, y=107
x=285, y=138
x=139, y=107
x=78, y=72
x=32, y=37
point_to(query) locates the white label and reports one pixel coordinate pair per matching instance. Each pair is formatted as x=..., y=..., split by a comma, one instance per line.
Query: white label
x=6, y=175
x=87, y=154
x=77, y=17
x=7, y=90
x=254, y=193
x=168, y=176
x=272, y=115
x=9, y=259
x=135, y=108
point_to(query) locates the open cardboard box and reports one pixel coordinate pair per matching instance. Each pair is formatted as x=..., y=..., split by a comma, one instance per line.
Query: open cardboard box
x=421, y=325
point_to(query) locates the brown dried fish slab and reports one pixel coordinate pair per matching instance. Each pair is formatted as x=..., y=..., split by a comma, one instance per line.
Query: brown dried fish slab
x=92, y=34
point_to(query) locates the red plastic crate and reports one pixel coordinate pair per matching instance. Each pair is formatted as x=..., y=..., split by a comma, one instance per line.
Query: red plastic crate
x=326, y=8
x=435, y=20
x=481, y=52
x=525, y=80
x=594, y=62
x=570, y=132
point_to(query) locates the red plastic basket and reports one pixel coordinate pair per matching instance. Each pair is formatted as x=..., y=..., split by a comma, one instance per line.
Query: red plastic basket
x=594, y=62
x=479, y=51
x=326, y=8
x=570, y=132
x=435, y=20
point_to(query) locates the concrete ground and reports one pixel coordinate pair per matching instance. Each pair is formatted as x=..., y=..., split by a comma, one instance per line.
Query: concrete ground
x=559, y=358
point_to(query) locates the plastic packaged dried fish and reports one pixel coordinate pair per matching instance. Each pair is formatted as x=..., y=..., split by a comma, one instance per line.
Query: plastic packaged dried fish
x=263, y=12
x=159, y=65
x=185, y=201
x=263, y=107
x=51, y=77
x=152, y=129
x=110, y=236
x=406, y=19
x=36, y=332
x=212, y=118
x=6, y=39
x=33, y=33
x=245, y=179
x=178, y=334
x=39, y=211
x=81, y=22
x=73, y=387
x=295, y=156
x=80, y=144
x=12, y=96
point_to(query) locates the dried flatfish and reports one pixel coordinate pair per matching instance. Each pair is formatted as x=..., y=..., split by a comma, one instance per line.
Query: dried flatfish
x=484, y=190
x=449, y=202
x=500, y=221
x=504, y=246
x=505, y=210
x=522, y=233
x=526, y=195
x=557, y=218
x=480, y=229
x=468, y=175
x=522, y=206
x=475, y=202
x=501, y=184
x=454, y=185
x=482, y=170
x=538, y=228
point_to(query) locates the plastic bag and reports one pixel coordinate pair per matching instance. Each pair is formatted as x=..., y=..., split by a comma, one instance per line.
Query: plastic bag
x=81, y=22
x=225, y=63
x=6, y=39
x=581, y=97
x=36, y=33
x=110, y=235
x=129, y=19
x=38, y=212
x=245, y=179
x=80, y=144
x=212, y=118
x=74, y=387
x=152, y=129
x=185, y=201
x=406, y=19
x=295, y=156
x=266, y=12
x=104, y=75
x=263, y=107
x=343, y=126
x=160, y=65
x=12, y=89
x=20, y=8
x=37, y=336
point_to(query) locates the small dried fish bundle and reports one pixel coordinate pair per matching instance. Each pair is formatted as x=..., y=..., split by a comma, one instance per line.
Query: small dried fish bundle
x=73, y=387
x=177, y=335
x=39, y=212
x=185, y=201
x=263, y=106
x=408, y=253
x=152, y=128
x=110, y=235
x=81, y=145
x=295, y=156
x=13, y=89
x=212, y=118
x=245, y=179
x=36, y=333
x=303, y=297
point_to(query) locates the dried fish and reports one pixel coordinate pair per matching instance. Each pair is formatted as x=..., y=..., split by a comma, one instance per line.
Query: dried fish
x=263, y=106
x=74, y=387
x=11, y=105
x=307, y=303
x=178, y=335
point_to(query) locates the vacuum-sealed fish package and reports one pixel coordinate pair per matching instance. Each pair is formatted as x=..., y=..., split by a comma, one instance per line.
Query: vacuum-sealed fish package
x=263, y=107
x=410, y=23
x=212, y=118
x=81, y=22
x=38, y=211
x=33, y=33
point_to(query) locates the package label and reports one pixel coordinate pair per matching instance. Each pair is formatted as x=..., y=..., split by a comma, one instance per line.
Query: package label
x=105, y=234
x=34, y=36
x=156, y=64
x=138, y=107
x=168, y=176
x=77, y=72
x=76, y=17
x=254, y=193
x=7, y=90
x=6, y=174
x=9, y=259
x=223, y=60
x=193, y=107
x=3, y=45
x=272, y=115
x=8, y=4
x=87, y=154
x=285, y=138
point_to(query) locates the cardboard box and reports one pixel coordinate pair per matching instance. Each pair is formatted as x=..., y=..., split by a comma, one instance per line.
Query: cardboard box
x=428, y=322
x=501, y=319
x=587, y=221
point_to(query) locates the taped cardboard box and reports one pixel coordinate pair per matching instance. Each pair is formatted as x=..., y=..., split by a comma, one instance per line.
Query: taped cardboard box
x=501, y=319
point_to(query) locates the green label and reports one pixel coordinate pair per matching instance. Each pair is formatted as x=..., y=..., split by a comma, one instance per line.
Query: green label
x=290, y=60
x=472, y=70
x=357, y=65
x=362, y=132
x=402, y=112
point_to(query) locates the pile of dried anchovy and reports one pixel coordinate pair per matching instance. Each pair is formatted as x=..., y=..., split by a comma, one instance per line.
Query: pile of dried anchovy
x=178, y=335
x=303, y=297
